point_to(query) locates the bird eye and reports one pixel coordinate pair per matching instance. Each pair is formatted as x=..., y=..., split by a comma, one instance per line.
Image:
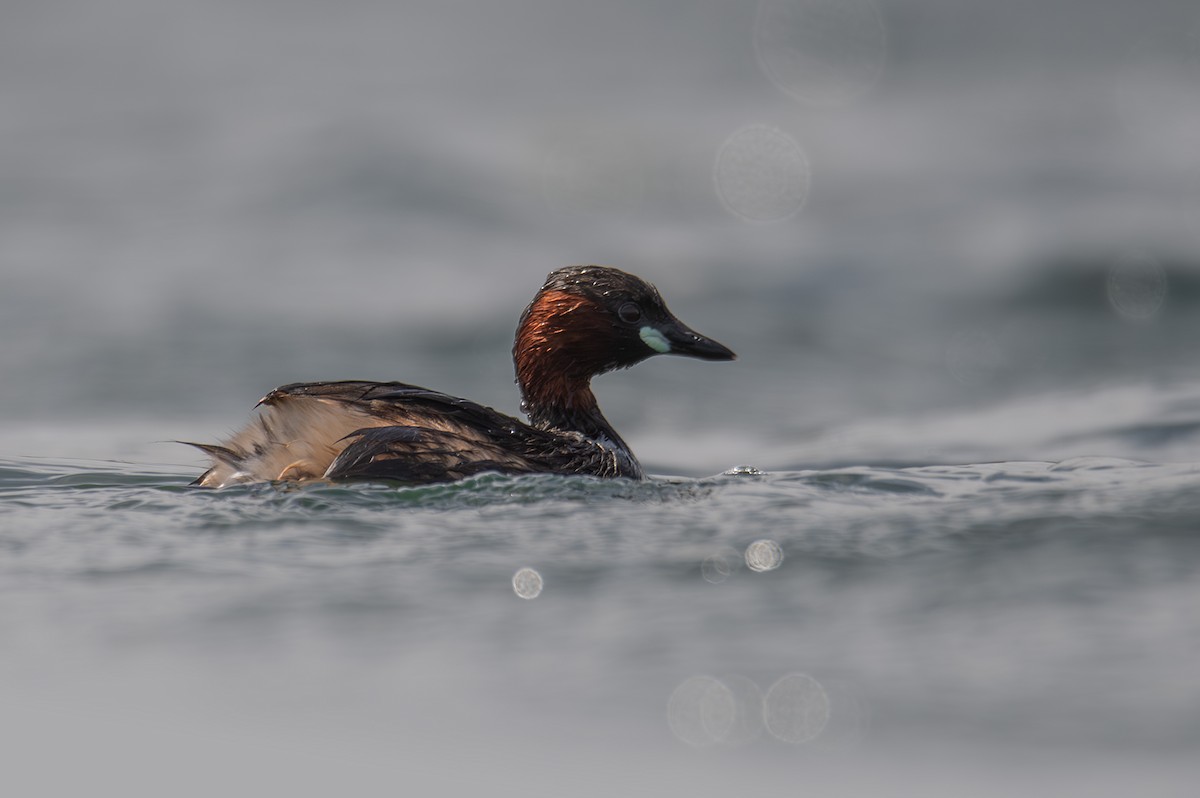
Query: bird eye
x=630, y=313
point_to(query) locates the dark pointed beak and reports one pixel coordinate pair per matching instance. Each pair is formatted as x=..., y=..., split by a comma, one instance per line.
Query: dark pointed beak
x=686, y=341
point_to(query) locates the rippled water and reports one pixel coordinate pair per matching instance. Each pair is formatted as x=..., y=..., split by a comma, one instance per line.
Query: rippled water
x=830, y=626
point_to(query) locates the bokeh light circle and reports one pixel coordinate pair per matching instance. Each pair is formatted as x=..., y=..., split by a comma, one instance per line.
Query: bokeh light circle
x=716, y=568
x=796, y=708
x=1136, y=286
x=746, y=724
x=720, y=564
x=764, y=555
x=701, y=711
x=527, y=583
x=761, y=174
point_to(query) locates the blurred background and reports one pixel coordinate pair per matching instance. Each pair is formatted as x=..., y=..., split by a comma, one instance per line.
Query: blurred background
x=892, y=210
x=935, y=232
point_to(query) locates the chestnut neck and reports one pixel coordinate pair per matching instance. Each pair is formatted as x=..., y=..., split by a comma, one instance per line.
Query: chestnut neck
x=559, y=347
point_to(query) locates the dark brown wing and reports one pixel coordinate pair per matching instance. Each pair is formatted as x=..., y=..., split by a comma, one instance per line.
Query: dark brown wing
x=420, y=455
x=454, y=438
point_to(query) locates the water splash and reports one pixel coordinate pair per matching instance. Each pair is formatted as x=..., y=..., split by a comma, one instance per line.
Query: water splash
x=743, y=470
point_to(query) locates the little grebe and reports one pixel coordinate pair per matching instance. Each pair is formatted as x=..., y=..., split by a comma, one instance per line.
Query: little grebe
x=585, y=320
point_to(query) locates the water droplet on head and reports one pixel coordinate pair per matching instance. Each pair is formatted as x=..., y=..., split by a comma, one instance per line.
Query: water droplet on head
x=796, y=708
x=1136, y=286
x=761, y=174
x=527, y=583
x=823, y=52
x=763, y=555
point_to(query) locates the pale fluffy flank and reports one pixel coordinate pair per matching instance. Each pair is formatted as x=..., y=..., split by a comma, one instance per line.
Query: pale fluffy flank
x=292, y=438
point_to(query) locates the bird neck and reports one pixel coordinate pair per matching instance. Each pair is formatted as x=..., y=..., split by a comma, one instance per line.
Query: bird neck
x=556, y=355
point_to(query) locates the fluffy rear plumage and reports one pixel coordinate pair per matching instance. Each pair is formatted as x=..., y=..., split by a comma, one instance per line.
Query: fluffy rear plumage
x=292, y=438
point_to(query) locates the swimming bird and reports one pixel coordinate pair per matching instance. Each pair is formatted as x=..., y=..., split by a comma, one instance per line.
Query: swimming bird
x=585, y=321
